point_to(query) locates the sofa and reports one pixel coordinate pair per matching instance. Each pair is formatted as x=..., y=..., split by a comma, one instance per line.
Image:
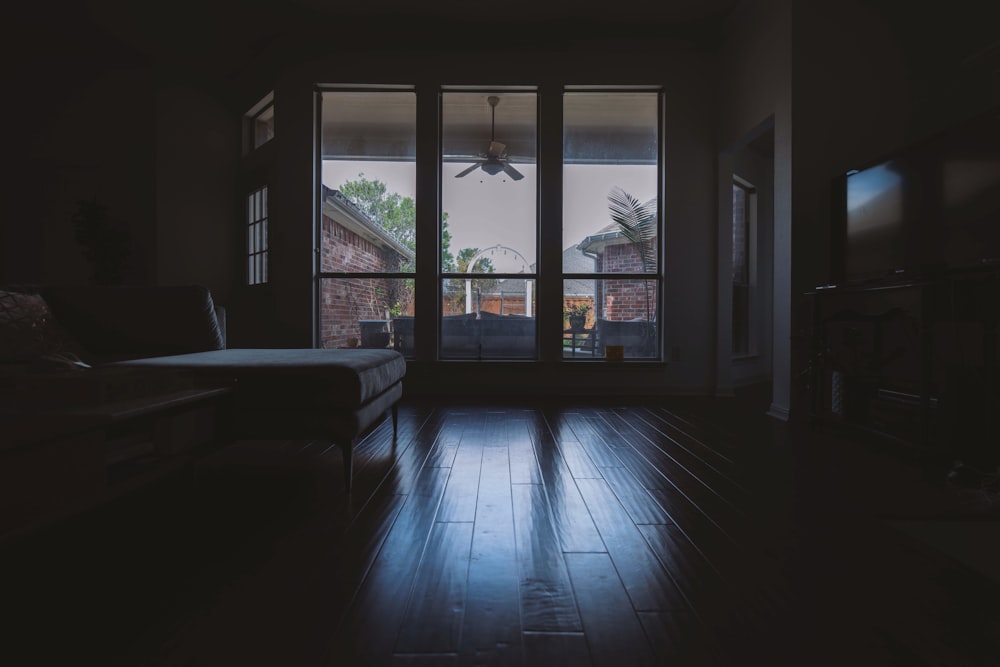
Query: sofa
x=336, y=395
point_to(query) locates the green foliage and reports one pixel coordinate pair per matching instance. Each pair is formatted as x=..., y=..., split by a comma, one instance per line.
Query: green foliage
x=396, y=214
x=580, y=309
x=637, y=223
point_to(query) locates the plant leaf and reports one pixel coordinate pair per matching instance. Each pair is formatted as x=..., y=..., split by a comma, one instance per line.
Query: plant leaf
x=637, y=222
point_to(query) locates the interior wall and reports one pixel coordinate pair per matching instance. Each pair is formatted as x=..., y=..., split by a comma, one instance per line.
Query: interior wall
x=197, y=149
x=78, y=114
x=755, y=83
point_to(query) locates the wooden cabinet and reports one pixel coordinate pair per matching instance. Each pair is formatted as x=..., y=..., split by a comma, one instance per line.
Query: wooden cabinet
x=58, y=460
x=914, y=362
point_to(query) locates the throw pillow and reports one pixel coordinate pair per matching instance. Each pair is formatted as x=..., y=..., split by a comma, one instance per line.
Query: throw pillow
x=28, y=331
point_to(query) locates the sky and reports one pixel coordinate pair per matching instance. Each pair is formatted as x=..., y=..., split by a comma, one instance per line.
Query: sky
x=485, y=211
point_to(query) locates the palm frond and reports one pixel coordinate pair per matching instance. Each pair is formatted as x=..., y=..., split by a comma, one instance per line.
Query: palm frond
x=637, y=223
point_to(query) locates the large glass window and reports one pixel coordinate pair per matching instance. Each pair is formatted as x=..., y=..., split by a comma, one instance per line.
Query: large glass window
x=611, y=224
x=367, y=222
x=489, y=226
x=488, y=282
x=744, y=199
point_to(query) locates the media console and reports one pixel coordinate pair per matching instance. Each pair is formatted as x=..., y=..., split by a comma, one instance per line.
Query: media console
x=913, y=362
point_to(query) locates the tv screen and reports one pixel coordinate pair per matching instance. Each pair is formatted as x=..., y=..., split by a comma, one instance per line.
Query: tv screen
x=928, y=208
x=886, y=220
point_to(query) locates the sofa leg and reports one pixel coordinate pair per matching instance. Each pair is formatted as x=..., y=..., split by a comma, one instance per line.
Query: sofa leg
x=347, y=449
x=395, y=418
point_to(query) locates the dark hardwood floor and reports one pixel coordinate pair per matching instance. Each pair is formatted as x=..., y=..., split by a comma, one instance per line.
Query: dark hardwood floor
x=678, y=532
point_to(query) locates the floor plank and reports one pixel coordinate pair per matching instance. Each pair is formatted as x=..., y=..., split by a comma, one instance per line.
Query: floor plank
x=492, y=624
x=547, y=602
x=614, y=634
x=433, y=619
x=646, y=582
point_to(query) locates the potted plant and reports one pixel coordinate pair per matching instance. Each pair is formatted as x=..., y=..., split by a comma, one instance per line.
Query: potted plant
x=374, y=331
x=637, y=222
x=577, y=315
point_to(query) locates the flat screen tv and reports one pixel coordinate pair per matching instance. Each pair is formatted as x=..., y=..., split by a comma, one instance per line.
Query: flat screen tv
x=928, y=209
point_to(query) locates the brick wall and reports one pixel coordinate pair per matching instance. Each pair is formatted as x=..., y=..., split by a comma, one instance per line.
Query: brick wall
x=345, y=301
x=623, y=299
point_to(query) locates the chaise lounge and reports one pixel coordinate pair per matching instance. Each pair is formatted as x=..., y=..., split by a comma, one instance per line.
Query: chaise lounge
x=277, y=393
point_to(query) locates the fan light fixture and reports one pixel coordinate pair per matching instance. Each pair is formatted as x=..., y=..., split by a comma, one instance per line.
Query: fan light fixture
x=495, y=160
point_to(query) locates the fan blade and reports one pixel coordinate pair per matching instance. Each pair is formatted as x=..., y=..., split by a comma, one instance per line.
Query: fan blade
x=468, y=171
x=513, y=173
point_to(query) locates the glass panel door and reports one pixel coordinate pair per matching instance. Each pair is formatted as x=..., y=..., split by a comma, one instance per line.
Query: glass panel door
x=489, y=228
x=368, y=219
x=611, y=224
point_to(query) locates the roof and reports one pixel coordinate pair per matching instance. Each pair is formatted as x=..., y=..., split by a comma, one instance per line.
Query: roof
x=574, y=261
x=339, y=208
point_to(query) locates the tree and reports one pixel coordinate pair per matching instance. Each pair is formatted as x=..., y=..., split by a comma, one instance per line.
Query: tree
x=396, y=214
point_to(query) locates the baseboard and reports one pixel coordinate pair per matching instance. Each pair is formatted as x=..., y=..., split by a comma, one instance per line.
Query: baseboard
x=779, y=412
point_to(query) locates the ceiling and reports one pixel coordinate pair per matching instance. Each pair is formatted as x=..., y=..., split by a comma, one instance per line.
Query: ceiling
x=637, y=11
x=597, y=127
x=223, y=35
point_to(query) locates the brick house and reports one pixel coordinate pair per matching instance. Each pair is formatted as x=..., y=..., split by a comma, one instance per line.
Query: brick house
x=618, y=299
x=351, y=241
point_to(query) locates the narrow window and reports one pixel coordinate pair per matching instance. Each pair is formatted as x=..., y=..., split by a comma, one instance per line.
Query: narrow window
x=744, y=200
x=257, y=237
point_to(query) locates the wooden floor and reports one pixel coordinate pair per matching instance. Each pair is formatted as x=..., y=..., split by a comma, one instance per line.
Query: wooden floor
x=685, y=532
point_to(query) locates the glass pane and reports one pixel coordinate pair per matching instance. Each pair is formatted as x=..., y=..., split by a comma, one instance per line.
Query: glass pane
x=488, y=182
x=614, y=312
x=610, y=150
x=488, y=319
x=367, y=312
x=369, y=181
x=740, y=265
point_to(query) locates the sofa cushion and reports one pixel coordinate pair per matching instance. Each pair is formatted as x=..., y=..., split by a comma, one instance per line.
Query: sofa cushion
x=29, y=330
x=293, y=378
x=133, y=321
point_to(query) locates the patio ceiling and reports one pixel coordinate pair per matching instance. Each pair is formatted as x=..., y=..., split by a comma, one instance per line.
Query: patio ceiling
x=387, y=132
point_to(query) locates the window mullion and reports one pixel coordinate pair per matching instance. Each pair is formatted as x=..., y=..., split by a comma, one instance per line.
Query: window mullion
x=550, y=203
x=427, y=286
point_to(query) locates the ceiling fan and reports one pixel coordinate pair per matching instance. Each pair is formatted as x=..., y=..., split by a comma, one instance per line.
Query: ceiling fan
x=495, y=159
